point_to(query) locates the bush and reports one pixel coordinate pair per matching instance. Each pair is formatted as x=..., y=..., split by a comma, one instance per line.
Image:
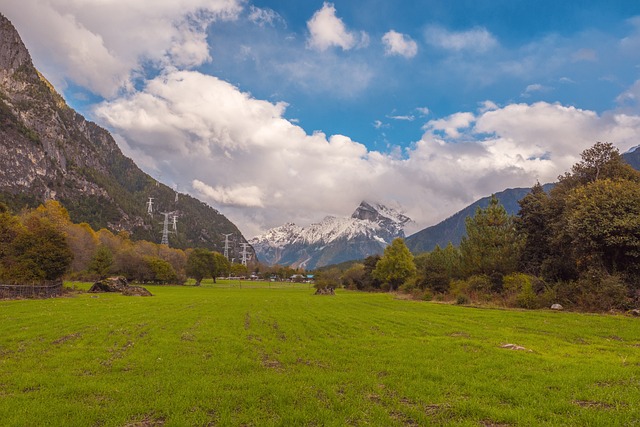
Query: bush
x=518, y=291
x=462, y=299
x=595, y=291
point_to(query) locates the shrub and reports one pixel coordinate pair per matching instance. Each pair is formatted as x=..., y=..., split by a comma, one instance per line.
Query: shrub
x=594, y=291
x=519, y=290
x=462, y=299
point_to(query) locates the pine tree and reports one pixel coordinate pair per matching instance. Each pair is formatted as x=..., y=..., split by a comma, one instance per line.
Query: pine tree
x=492, y=245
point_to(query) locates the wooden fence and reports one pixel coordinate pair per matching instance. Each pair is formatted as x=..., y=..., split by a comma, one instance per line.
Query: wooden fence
x=40, y=290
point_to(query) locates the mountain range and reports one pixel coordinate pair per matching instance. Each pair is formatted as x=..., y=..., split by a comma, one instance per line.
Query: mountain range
x=371, y=227
x=49, y=151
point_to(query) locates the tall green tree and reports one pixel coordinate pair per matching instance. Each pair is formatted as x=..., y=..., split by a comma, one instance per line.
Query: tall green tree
x=396, y=265
x=223, y=266
x=603, y=218
x=369, y=281
x=201, y=263
x=101, y=261
x=563, y=260
x=492, y=245
x=532, y=223
x=437, y=268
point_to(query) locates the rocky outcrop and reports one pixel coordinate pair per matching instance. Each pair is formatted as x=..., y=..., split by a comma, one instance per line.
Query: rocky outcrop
x=119, y=284
x=111, y=284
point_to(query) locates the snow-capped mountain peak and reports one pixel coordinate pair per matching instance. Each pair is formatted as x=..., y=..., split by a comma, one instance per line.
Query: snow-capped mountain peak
x=334, y=239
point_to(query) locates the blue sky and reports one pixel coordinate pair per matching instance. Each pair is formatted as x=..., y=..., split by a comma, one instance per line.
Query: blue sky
x=442, y=80
x=277, y=111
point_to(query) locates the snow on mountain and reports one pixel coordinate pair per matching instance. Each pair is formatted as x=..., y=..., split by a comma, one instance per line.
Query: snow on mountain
x=334, y=239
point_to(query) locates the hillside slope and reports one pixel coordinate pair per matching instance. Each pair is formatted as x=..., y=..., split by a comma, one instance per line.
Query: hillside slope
x=453, y=228
x=49, y=151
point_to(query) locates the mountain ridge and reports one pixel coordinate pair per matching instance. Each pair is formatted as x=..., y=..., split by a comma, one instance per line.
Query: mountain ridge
x=50, y=151
x=370, y=228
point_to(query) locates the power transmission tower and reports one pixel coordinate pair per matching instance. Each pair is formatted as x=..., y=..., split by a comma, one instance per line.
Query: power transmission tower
x=165, y=228
x=226, y=245
x=244, y=253
x=150, y=206
x=175, y=223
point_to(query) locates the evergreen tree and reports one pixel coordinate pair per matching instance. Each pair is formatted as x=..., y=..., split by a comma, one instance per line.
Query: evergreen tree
x=532, y=224
x=101, y=261
x=491, y=246
x=437, y=268
x=368, y=280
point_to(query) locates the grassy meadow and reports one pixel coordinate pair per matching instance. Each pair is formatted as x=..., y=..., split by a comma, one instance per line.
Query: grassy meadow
x=274, y=354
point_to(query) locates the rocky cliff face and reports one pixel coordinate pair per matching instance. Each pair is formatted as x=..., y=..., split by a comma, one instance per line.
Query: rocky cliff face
x=49, y=151
x=333, y=240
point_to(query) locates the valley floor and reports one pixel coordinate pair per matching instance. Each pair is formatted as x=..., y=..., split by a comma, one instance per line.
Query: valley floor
x=275, y=354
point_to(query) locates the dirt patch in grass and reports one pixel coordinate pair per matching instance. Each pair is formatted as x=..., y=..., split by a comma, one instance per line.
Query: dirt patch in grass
x=436, y=408
x=403, y=418
x=147, y=421
x=66, y=338
x=271, y=363
x=489, y=423
x=593, y=404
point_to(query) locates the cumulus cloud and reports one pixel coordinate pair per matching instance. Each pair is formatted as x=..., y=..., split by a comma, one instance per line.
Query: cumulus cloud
x=399, y=44
x=327, y=30
x=103, y=46
x=477, y=39
x=241, y=155
x=452, y=125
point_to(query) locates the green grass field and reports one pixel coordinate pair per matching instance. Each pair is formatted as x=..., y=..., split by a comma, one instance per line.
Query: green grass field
x=275, y=354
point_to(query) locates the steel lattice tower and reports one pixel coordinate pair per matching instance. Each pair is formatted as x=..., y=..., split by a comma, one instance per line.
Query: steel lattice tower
x=165, y=228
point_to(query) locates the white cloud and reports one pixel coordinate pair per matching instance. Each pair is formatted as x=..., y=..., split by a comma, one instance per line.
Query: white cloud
x=327, y=30
x=532, y=88
x=487, y=105
x=423, y=111
x=240, y=154
x=477, y=39
x=406, y=118
x=249, y=196
x=399, y=44
x=451, y=125
x=266, y=16
x=103, y=45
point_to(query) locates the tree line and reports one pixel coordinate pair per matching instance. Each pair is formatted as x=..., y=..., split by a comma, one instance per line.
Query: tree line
x=43, y=244
x=578, y=245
